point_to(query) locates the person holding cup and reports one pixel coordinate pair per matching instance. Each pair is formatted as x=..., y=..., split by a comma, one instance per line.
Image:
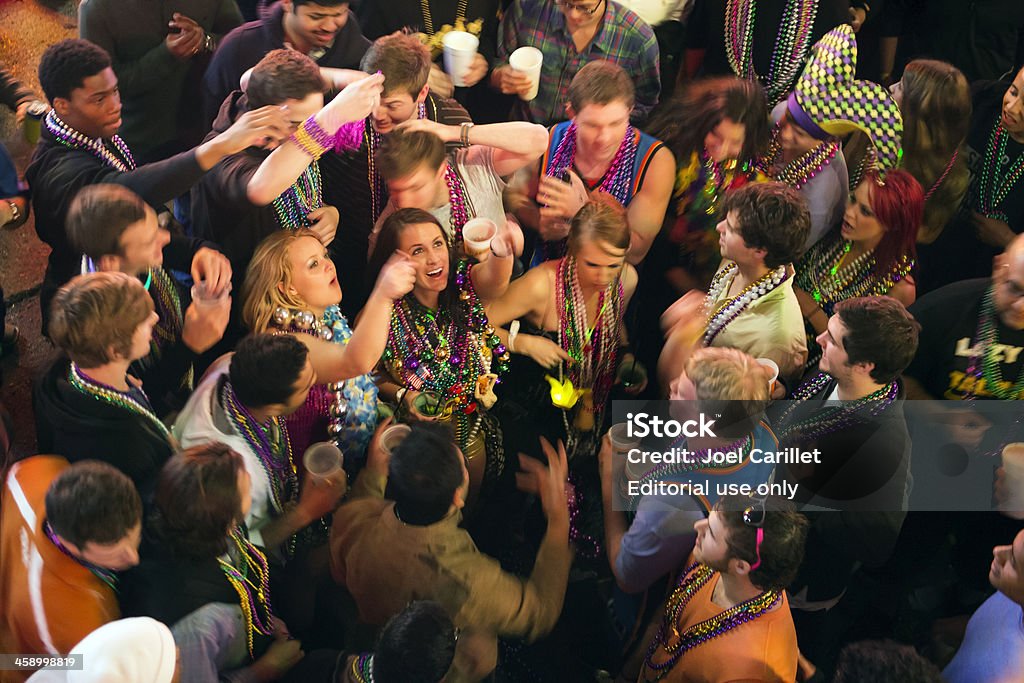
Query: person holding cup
x=116, y=231
x=570, y=35
x=242, y=403
x=440, y=340
x=419, y=174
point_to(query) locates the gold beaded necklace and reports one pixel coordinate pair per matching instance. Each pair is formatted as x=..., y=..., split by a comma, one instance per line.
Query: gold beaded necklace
x=428, y=19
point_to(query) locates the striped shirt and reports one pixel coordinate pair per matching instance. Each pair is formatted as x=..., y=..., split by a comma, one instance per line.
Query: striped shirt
x=622, y=37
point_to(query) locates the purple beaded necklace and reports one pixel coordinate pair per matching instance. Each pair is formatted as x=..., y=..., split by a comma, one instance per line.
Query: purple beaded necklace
x=693, y=579
x=617, y=180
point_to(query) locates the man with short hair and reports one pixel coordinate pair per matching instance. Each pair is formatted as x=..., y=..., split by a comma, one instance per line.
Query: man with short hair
x=261, y=190
x=419, y=175
x=65, y=530
x=851, y=415
x=598, y=150
x=993, y=646
x=723, y=382
x=972, y=335
x=242, y=403
x=750, y=305
x=159, y=54
x=116, y=231
x=324, y=30
x=388, y=552
x=79, y=146
x=745, y=555
x=569, y=35
x=351, y=181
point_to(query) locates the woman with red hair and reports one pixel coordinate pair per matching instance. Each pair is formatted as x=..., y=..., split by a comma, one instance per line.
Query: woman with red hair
x=871, y=253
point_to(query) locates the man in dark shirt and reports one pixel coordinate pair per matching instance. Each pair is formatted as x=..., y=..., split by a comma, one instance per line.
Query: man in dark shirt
x=116, y=231
x=79, y=146
x=325, y=31
x=351, y=181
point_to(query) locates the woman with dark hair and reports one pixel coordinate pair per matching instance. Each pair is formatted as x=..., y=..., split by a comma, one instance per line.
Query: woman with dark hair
x=440, y=340
x=198, y=568
x=872, y=253
x=715, y=128
x=935, y=101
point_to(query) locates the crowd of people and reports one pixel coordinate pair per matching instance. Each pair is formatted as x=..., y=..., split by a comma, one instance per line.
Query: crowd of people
x=301, y=240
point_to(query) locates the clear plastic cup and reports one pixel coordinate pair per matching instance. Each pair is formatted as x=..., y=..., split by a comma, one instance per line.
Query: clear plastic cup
x=1013, y=465
x=393, y=436
x=323, y=459
x=203, y=297
x=773, y=368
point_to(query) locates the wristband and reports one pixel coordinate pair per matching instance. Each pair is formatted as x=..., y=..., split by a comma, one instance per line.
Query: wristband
x=513, y=332
x=464, y=133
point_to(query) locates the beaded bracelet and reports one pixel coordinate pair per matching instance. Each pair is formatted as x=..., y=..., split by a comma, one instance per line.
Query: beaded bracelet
x=312, y=139
x=349, y=137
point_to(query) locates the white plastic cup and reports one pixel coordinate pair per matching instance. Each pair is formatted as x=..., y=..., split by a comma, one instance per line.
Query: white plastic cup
x=459, y=49
x=477, y=235
x=773, y=367
x=203, y=297
x=393, y=436
x=323, y=460
x=1013, y=465
x=528, y=60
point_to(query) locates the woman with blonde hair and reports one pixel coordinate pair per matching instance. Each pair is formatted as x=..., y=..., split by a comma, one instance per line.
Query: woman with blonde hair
x=291, y=287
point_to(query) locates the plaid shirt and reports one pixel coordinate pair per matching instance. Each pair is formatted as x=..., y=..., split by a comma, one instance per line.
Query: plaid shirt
x=622, y=37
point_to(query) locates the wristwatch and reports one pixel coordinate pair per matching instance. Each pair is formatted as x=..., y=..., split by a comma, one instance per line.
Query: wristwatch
x=15, y=212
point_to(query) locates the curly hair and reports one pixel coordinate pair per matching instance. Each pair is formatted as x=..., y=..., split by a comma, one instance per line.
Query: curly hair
x=697, y=109
x=770, y=216
x=265, y=368
x=65, y=66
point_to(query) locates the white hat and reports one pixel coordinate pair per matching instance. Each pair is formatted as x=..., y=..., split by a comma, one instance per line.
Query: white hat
x=136, y=650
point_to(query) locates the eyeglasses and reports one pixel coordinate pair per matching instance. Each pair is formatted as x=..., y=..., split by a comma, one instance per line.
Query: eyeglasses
x=754, y=516
x=585, y=9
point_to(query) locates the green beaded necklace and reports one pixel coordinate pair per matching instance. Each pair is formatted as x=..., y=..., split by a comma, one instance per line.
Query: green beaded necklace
x=988, y=338
x=993, y=189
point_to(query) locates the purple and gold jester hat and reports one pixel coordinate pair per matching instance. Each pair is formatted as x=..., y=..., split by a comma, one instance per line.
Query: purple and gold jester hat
x=837, y=103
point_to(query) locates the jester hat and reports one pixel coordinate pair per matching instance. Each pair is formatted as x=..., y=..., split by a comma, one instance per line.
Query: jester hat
x=828, y=100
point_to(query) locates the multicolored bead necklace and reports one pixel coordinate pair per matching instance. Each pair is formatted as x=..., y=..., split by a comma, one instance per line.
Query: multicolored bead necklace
x=253, y=594
x=304, y=196
x=446, y=350
x=372, y=140
x=824, y=273
x=788, y=54
x=592, y=349
x=730, y=309
x=271, y=446
x=362, y=668
x=617, y=180
x=107, y=576
x=105, y=393
x=830, y=418
x=329, y=328
x=983, y=361
x=993, y=187
x=942, y=176
x=69, y=137
x=692, y=580
x=800, y=171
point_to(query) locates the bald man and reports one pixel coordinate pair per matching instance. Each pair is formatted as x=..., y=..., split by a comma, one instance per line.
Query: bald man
x=969, y=326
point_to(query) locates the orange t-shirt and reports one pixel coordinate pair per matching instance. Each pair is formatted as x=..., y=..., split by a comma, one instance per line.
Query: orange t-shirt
x=48, y=602
x=760, y=650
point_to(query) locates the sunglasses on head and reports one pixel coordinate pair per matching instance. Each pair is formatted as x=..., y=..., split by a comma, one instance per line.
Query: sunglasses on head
x=754, y=516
